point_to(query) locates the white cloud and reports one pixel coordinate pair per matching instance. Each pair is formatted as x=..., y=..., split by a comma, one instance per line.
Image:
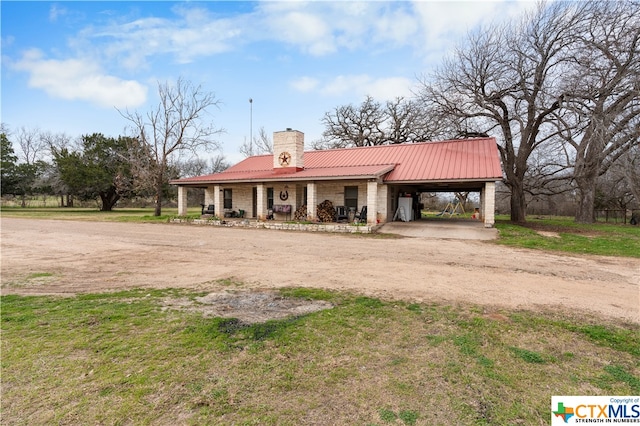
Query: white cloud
x=305, y=84
x=390, y=88
x=443, y=24
x=7, y=41
x=315, y=28
x=55, y=11
x=321, y=28
x=396, y=26
x=80, y=79
x=193, y=33
x=382, y=88
x=303, y=29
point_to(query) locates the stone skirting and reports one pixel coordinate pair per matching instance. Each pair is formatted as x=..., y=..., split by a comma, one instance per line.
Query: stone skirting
x=286, y=226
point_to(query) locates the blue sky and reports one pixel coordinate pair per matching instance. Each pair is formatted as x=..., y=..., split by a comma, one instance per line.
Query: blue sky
x=67, y=66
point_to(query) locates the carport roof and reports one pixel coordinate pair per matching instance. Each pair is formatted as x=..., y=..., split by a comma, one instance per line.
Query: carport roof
x=446, y=161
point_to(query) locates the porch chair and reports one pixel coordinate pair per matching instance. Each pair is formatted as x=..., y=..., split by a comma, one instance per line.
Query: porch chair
x=341, y=213
x=362, y=216
x=211, y=209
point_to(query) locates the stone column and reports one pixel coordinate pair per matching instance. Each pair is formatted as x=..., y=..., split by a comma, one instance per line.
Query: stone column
x=217, y=200
x=372, y=202
x=312, y=201
x=182, y=200
x=261, y=202
x=208, y=196
x=488, y=200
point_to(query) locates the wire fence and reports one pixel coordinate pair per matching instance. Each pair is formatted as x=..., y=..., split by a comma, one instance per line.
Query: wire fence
x=625, y=216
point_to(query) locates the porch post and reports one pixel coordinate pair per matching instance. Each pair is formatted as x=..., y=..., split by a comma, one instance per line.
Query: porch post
x=372, y=202
x=488, y=200
x=182, y=200
x=208, y=196
x=261, y=202
x=217, y=200
x=312, y=201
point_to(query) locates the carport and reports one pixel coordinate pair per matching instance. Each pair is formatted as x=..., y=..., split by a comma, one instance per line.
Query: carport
x=485, y=189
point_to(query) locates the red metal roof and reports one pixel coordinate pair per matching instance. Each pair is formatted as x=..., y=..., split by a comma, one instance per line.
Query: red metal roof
x=467, y=159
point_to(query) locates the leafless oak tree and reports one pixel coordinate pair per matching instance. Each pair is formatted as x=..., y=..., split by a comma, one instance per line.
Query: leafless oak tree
x=373, y=123
x=178, y=124
x=602, y=95
x=350, y=125
x=501, y=82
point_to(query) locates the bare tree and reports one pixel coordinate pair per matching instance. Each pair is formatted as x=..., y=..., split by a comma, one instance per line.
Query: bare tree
x=31, y=158
x=372, y=123
x=602, y=96
x=351, y=125
x=32, y=148
x=629, y=166
x=176, y=125
x=406, y=122
x=58, y=141
x=501, y=82
x=201, y=166
x=262, y=144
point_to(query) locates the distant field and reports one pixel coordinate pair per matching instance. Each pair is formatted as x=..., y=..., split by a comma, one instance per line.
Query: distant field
x=84, y=213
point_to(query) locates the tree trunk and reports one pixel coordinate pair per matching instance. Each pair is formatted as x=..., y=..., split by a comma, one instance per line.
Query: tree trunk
x=518, y=204
x=515, y=183
x=585, y=212
x=159, y=185
x=109, y=199
x=585, y=173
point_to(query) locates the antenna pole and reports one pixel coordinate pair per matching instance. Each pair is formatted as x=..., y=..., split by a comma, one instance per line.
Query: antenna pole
x=250, y=127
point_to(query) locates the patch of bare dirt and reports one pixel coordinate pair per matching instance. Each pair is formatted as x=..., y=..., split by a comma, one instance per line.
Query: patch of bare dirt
x=82, y=257
x=253, y=306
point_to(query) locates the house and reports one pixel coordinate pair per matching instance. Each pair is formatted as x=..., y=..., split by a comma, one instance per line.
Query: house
x=386, y=179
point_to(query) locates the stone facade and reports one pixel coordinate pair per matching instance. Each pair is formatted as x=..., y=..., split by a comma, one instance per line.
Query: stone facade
x=288, y=150
x=283, y=226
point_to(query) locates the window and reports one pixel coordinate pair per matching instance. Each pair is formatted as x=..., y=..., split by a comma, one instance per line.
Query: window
x=351, y=197
x=269, y=198
x=228, y=199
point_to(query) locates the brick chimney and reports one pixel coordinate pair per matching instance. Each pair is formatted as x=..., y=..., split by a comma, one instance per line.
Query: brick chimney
x=288, y=151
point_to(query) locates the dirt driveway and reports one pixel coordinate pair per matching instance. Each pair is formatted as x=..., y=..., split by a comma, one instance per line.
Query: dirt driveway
x=59, y=257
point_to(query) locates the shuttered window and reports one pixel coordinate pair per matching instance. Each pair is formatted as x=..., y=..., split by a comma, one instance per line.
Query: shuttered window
x=351, y=197
x=228, y=199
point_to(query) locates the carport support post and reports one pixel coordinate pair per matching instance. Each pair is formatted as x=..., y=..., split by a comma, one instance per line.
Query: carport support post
x=182, y=200
x=372, y=202
x=488, y=204
x=312, y=201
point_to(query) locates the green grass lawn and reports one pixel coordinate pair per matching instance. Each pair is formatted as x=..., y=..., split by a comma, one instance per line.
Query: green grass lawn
x=83, y=213
x=563, y=234
x=120, y=358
